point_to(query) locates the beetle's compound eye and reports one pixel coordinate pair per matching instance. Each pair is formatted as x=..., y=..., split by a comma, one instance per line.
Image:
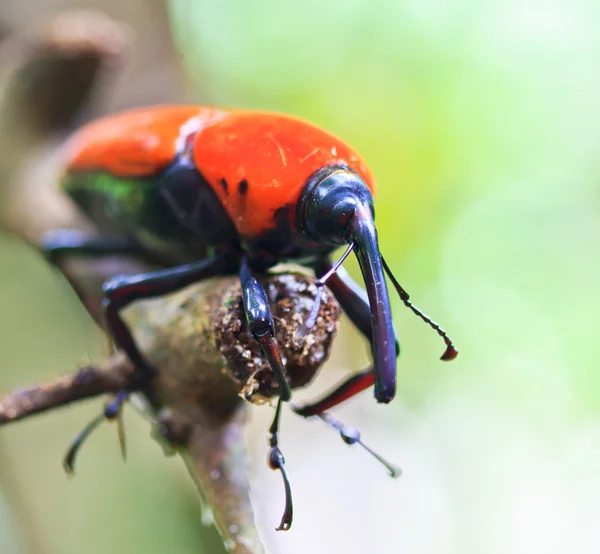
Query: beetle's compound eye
x=329, y=202
x=342, y=213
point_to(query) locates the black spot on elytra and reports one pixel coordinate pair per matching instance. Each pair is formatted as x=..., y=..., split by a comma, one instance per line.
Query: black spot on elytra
x=223, y=184
x=243, y=187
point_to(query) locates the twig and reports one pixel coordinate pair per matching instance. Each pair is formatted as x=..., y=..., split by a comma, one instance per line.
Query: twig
x=51, y=71
x=109, y=377
x=206, y=362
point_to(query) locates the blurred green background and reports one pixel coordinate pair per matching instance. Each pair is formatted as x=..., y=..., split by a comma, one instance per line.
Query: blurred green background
x=480, y=122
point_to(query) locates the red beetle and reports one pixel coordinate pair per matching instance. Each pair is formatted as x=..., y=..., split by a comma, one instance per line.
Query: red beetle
x=209, y=191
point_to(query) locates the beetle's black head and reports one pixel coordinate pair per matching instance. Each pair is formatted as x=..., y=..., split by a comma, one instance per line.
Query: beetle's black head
x=336, y=208
x=330, y=201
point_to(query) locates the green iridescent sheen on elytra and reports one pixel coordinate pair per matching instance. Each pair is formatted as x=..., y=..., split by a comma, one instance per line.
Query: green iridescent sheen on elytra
x=122, y=197
x=127, y=206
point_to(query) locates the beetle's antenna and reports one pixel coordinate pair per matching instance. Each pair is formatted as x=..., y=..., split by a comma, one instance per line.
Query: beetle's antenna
x=111, y=411
x=277, y=461
x=451, y=351
x=312, y=317
x=351, y=435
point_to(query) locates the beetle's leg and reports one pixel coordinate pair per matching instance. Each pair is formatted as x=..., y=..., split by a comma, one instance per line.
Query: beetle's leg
x=350, y=435
x=111, y=411
x=260, y=325
x=351, y=296
x=121, y=291
x=277, y=461
x=62, y=243
x=355, y=304
x=347, y=389
x=118, y=294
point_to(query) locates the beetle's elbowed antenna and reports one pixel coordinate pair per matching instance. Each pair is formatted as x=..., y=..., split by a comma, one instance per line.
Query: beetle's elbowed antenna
x=321, y=282
x=451, y=351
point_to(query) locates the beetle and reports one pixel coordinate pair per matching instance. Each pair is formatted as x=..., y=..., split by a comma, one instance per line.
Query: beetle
x=205, y=191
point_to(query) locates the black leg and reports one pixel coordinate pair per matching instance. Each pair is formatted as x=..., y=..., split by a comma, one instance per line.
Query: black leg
x=62, y=243
x=120, y=292
x=277, y=461
x=111, y=411
x=351, y=297
x=350, y=435
x=260, y=324
x=355, y=304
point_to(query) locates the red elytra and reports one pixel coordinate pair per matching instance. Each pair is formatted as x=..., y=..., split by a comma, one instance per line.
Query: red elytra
x=271, y=154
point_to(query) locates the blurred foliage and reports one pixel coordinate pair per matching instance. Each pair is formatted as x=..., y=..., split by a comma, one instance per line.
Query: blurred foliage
x=480, y=121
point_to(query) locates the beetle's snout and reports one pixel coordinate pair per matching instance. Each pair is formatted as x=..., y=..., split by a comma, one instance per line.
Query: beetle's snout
x=336, y=208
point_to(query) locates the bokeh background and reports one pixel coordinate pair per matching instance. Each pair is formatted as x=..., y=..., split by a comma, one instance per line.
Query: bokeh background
x=480, y=121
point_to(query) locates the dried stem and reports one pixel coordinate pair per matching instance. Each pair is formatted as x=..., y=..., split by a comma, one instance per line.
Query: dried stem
x=108, y=377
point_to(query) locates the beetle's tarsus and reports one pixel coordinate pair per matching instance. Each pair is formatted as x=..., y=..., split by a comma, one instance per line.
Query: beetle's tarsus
x=69, y=459
x=112, y=411
x=121, y=433
x=351, y=435
x=277, y=462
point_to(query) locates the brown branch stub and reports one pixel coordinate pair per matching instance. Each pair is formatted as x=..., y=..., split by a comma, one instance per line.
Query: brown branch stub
x=109, y=377
x=55, y=68
x=47, y=78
